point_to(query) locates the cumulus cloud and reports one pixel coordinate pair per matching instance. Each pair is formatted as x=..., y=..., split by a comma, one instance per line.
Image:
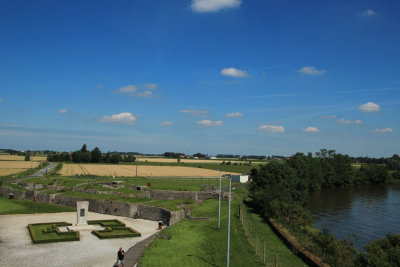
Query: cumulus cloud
x=62, y=111
x=150, y=86
x=166, y=123
x=233, y=72
x=384, y=130
x=369, y=107
x=343, y=121
x=210, y=123
x=121, y=118
x=234, y=114
x=201, y=6
x=310, y=129
x=311, y=71
x=195, y=112
x=145, y=94
x=328, y=117
x=145, y=90
x=271, y=128
x=367, y=13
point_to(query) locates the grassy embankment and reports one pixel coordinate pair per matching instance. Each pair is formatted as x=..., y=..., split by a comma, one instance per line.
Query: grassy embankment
x=17, y=206
x=200, y=243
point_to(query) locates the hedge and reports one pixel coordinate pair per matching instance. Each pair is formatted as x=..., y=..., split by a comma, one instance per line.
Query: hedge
x=49, y=232
x=116, y=232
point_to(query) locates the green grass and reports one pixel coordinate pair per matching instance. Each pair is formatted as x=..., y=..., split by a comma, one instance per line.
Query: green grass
x=116, y=232
x=81, y=195
x=49, y=232
x=171, y=205
x=17, y=206
x=107, y=223
x=199, y=243
x=14, y=186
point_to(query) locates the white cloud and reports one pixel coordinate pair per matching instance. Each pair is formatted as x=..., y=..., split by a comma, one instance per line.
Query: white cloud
x=233, y=72
x=328, y=117
x=166, y=123
x=62, y=111
x=99, y=86
x=201, y=6
x=369, y=107
x=145, y=94
x=234, y=114
x=343, y=121
x=271, y=128
x=195, y=112
x=150, y=86
x=129, y=89
x=367, y=13
x=384, y=130
x=121, y=118
x=210, y=123
x=311, y=71
x=1, y=99
x=310, y=129
x=144, y=90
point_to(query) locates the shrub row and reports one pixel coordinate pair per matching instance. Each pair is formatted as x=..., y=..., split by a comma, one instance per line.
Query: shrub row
x=117, y=232
x=40, y=235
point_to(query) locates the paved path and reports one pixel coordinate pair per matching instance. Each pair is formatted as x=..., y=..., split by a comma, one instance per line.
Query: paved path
x=49, y=168
x=135, y=253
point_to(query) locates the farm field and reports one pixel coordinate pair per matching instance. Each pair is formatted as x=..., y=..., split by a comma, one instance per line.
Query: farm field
x=143, y=171
x=21, y=158
x=12, y=167
x=169, y=160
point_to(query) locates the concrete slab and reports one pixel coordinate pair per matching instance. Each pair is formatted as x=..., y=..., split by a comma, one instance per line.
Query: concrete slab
x=16, y=248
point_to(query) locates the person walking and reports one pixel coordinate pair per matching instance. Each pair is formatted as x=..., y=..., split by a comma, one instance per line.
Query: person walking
x=120, y=257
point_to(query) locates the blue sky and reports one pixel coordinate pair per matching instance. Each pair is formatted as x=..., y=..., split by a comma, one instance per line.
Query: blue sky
x=211, y=76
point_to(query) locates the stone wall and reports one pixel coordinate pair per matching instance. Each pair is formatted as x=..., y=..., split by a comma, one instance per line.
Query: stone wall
x=102, y=206
x=292, y=243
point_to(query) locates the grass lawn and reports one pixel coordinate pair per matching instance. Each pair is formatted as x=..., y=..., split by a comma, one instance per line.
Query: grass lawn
x=200, y=243
x=82, y=195
x=171, y=204
x=17, y=206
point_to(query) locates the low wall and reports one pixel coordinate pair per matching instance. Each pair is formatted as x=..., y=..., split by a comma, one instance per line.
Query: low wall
x=290, y=241
x=130, y=210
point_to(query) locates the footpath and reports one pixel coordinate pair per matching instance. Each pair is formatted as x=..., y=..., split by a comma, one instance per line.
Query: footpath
x=135, y=253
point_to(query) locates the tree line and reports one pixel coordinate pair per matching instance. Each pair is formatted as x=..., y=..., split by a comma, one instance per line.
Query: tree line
x=95, y=156
x=280, y=190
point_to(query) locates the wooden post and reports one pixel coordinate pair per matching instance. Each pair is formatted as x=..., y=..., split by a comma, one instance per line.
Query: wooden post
x=264, y=254
x=276, y=260
x=257, y=244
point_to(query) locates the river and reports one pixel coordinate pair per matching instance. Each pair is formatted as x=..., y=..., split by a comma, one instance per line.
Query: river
x=367, y=211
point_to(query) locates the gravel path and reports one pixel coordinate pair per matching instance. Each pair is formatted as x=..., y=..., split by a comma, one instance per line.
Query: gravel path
x=16, y=248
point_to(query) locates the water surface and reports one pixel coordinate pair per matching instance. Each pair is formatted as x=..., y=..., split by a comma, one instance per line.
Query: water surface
x=367, y=211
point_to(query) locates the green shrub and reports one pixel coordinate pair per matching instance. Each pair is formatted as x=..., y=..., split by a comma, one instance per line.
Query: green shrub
x=49, y=232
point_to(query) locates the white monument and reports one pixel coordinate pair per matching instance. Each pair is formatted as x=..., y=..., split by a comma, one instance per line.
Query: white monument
x=82, y=208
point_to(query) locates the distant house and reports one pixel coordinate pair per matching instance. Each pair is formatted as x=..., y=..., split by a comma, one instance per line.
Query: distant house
x=240, y=178
x=213, y=157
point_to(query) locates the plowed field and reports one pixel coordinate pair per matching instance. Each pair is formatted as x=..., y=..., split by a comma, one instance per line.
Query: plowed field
x=12, y=167
x=130, y=170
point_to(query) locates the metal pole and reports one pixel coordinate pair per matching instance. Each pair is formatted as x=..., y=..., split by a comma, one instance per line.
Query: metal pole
x=229, y=223
x=219, y=201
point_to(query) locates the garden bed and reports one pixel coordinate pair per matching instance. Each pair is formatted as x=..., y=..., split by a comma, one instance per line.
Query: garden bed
x=49, y=232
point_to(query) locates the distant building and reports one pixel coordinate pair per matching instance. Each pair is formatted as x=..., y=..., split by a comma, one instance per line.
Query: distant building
x=240, y=178
x=213, y=157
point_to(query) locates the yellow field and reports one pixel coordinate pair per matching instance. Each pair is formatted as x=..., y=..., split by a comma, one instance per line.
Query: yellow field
x=216, y=161
x=130, y=170
x=12, y=167
x=22, y=158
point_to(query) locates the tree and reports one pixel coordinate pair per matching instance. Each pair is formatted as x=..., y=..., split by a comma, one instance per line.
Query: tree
x=84, y=148
x=96, y=154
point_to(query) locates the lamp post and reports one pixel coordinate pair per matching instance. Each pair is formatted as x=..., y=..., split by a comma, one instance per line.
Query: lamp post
x=219, y=201
x=229, y=223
